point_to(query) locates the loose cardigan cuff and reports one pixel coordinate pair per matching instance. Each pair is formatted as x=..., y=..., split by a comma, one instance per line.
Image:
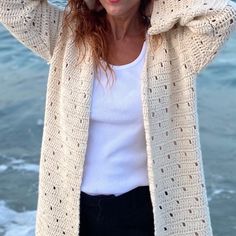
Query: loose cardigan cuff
x=166, y=14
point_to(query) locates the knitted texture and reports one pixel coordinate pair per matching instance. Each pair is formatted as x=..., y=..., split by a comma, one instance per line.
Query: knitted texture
x=168, y=89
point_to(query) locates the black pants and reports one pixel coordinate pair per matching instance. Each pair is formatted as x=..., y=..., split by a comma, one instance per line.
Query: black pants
x=129, y=214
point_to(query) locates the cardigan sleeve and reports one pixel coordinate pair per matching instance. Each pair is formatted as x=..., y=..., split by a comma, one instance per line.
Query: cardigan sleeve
x=35, y=23
x=202, y=26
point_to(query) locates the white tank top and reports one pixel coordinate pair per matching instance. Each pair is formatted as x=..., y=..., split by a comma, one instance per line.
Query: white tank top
x=115, y=160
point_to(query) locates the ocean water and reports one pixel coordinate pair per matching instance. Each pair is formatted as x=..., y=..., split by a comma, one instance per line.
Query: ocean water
x=23, y=80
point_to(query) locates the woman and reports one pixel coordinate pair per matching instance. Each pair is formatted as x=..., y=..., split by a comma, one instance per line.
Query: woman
x=124, y=160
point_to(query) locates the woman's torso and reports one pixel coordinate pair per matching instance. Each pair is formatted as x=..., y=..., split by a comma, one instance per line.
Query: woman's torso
x=116, y=155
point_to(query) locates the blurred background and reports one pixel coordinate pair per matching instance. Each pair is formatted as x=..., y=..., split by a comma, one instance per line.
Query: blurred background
x=23, y=80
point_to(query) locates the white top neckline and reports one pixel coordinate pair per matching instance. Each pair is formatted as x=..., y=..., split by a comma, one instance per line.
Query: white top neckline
x=133, y=63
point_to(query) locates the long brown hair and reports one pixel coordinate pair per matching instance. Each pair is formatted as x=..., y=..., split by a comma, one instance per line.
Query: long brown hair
x=91, y=26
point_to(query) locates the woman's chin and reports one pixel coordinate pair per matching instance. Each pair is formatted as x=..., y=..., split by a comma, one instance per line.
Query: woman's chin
x=115, y=12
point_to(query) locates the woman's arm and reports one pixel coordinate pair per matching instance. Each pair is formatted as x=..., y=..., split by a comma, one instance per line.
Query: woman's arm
x=35, y=23
x=202, y=26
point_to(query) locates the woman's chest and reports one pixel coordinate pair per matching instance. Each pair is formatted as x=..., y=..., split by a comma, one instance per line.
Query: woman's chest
x=121, y=53
x=120, y=102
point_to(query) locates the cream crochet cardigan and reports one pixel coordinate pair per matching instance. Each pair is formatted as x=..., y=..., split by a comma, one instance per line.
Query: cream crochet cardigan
x=175, y=166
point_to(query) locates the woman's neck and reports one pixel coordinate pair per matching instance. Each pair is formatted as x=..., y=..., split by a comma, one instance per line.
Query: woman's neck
x=125, y=26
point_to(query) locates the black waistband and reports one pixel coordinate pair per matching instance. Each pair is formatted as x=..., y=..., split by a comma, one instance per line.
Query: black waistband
x=139, y=195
